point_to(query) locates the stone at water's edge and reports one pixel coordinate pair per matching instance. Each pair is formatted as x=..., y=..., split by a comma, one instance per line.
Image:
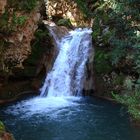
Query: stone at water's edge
x=3, y=134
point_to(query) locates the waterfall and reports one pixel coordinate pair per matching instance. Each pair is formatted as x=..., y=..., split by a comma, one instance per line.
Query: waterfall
x=67, y=75
x=64, y=80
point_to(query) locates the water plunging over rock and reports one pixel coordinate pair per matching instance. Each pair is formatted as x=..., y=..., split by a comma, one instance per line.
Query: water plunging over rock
x=57, y=33
x=67, y=75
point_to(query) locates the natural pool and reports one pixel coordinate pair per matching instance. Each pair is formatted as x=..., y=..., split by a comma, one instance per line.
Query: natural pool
x=70, y=118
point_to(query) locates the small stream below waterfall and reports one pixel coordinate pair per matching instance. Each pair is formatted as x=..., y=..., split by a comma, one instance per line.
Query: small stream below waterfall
x=60, y=112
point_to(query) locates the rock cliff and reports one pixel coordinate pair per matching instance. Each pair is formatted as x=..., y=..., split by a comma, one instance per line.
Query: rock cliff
x=67, y=9
x=17, y=28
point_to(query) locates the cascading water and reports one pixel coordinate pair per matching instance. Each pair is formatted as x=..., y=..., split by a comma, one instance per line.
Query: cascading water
x=67, y=75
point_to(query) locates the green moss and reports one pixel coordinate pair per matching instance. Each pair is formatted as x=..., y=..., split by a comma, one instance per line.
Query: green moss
x=119, y=80
x=2, y=127
x=82, y=4
x=18, y=20
x=132, y=102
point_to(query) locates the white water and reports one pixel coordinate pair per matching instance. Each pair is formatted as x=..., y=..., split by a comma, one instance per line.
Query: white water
x=65, y=79
x=50, y=106
x=67, y=75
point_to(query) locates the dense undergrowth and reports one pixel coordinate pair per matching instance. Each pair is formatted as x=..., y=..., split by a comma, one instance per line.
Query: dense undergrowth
x=116, y=34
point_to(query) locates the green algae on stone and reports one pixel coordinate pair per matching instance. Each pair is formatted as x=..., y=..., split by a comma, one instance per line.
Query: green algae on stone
x=2, y=127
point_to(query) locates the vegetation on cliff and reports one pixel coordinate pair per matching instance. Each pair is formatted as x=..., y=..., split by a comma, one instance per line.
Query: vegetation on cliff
x=18, y=22
x=12, y=20
x=116, y=34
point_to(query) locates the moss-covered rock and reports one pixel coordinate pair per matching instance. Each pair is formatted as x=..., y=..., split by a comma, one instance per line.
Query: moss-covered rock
x=65, y=22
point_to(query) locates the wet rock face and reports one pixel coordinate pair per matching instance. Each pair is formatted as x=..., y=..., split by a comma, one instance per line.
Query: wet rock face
x=3, y=3
x=89, y=83
x=67, y=9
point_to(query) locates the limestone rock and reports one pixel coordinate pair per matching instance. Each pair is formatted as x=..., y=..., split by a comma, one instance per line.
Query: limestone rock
x=68, y=10
x=3, y=3
x=20, y=49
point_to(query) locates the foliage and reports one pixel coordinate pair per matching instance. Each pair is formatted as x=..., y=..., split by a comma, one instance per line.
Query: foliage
x=83, y=6
x=116, y=35
x=10, y=23
x=25, y=5
x=132, y=102
x=131, y=97
x=102, y=62
x=2, y=127
x=117, y=22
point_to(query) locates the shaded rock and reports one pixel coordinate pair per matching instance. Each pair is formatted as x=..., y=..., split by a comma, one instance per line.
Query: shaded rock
x=51, y=52
x=89, y=83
